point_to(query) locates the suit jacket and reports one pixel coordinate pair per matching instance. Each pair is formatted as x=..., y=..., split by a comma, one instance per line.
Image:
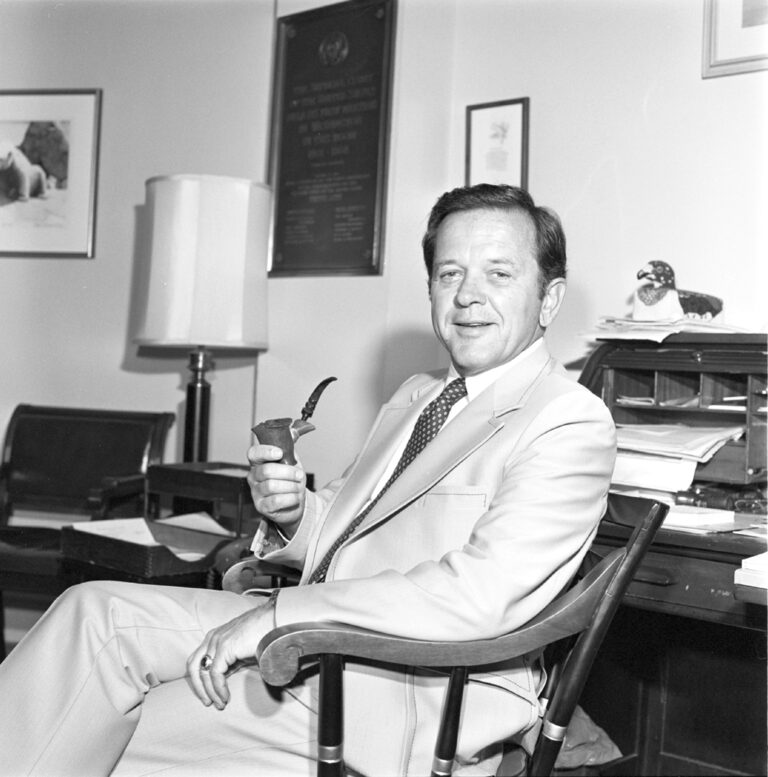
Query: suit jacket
x=485, y=527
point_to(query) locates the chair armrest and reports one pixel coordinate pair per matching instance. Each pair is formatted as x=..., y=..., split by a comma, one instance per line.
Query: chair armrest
x=233, y=552
x=111, y=490
x=251, y=572
x=281, y=651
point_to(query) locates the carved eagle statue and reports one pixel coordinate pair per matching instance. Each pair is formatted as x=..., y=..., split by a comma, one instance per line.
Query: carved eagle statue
x=660, y=300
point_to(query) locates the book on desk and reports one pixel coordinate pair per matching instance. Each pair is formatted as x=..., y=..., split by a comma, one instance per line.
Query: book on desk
x=753, y=571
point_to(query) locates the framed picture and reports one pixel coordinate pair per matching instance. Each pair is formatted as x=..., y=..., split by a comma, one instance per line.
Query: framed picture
x=735, y=37
x=497, y=143
x=49, y=149
x=329, y=139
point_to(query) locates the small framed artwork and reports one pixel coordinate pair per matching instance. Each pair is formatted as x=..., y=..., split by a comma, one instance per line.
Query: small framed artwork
x=735, y=37
x=49, y=150
x=497, y=143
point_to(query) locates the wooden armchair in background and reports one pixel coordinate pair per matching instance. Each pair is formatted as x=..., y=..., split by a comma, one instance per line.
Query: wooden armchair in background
x=578, y=620
x=61, y=465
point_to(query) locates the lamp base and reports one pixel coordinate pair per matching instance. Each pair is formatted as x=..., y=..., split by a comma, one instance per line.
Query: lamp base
x=198, y=406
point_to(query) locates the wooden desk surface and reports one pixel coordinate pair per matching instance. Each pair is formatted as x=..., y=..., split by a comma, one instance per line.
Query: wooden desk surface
x=692, y=575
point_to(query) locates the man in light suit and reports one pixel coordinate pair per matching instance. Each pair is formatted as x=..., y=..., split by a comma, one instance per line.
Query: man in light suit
x=459, y=536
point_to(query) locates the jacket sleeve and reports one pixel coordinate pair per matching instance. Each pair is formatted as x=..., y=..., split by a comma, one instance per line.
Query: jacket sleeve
x=269, y=545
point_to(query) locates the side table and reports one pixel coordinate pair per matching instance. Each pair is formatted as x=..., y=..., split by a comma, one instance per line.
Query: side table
x=219, y=488
x=78, y=571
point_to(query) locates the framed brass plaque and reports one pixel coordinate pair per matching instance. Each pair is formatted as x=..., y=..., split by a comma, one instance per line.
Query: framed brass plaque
x=329, y=140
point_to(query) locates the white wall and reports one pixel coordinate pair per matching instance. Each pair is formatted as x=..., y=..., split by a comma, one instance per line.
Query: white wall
x=369, y=332
x=641, y=157
x=185, y=89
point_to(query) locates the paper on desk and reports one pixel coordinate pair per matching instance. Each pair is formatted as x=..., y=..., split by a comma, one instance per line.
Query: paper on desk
x=698, y=443
x=198, y=522
x=705, y=520
x=232, y=472
x=753, y=571
x=666, y=497
x=136, y=531
x=751, y=577
x=46, y=520
x=758, y=529
x=129, y=529
x=759, y=562
x=191, y=533
x=611, y=328
x=657, y=473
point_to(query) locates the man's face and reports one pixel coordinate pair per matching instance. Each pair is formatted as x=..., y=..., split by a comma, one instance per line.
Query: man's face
x=484, y=289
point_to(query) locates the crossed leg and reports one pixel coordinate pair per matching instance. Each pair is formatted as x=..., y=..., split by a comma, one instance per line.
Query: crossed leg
x=80, y=678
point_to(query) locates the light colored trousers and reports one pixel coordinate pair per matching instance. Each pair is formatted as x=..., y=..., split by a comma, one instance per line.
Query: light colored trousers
x=98, y=685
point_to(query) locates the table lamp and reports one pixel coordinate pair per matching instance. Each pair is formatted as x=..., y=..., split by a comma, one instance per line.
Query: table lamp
x=206, y=283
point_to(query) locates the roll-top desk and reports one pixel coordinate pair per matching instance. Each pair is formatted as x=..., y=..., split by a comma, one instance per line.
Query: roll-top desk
x=681, y=682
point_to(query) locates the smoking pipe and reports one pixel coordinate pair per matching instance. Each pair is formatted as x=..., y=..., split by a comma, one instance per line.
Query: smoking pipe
x=283, y=432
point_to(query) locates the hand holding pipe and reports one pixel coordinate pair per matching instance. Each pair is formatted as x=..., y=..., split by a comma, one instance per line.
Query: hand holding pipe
x=283, y=432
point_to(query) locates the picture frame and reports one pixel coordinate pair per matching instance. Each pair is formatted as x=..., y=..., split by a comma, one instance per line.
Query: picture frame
x=735, y=37
x=329, y=141
x=49, y=153
x=497, y=142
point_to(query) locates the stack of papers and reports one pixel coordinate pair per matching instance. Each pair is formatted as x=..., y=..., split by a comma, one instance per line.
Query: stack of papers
x=696, y=519
x=705, y=520
x=695, y=443
x=753, y=572
x=663, y=457
x=653, y=473
x=611, y=328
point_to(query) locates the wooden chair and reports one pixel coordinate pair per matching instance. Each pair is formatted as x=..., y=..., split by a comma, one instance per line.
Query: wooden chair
x=579, y=618
x=61, y=465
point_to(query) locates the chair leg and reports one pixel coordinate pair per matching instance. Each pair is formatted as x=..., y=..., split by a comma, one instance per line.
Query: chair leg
x=545, y=754
x=445, y=750
x=330, y=739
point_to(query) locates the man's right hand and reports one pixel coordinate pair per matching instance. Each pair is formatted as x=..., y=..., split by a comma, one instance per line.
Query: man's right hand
x=278, y=490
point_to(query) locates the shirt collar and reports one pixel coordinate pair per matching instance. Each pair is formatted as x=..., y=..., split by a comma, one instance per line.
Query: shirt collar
x=476, y=384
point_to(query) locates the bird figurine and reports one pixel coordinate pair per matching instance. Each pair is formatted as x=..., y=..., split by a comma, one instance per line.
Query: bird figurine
x=660, y=300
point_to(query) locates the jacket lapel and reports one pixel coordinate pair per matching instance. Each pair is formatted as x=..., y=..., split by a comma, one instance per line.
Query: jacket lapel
x=477, y=422
x=378, y=450
x=470, y=429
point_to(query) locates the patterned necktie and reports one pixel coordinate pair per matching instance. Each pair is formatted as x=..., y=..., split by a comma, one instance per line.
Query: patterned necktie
x=428, y=425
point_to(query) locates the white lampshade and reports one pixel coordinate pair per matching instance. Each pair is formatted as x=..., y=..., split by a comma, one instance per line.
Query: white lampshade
x=207, y=264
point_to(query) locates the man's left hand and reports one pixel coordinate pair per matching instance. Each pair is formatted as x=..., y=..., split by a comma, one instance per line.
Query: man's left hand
x=222, y=648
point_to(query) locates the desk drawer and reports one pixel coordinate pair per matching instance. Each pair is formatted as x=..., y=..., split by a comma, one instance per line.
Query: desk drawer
x=691, y=587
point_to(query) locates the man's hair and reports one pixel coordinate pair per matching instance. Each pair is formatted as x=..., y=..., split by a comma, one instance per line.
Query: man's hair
x=550, y=239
